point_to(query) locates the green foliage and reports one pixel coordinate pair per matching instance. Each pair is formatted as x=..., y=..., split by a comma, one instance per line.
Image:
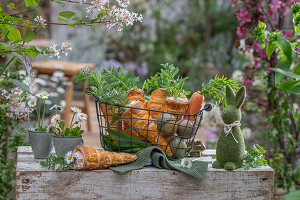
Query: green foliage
x=52, y=161
x=108, y=85
x=121, y=141
x=168, y=79
x=255, y=157
x=59, y=129
x=217, y=89
x=259, y=33
x=285, y=78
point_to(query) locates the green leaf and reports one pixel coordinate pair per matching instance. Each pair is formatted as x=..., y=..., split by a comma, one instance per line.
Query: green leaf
x=72, y=25
x=20, y=85
x=287, y=49
x=11, y=5
x=297, y=69
x=288, y=85
x=31, y=2
x=67, y=14
x=29, y=36
x=59, y=3
x=284, y=65
x=61, y=19
x=270, y=48
x=76, y=19
x=286, y=73
x=14, y=34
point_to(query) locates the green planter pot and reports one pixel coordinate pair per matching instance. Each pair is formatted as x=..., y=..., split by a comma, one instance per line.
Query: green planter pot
x=64, y=144
x=41, y=143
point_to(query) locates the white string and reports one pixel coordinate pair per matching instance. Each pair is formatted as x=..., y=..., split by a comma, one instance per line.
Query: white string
x=234, y=124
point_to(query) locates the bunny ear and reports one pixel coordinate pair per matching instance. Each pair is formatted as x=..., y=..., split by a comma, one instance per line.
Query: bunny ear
x=240, y=97
x=230, y=95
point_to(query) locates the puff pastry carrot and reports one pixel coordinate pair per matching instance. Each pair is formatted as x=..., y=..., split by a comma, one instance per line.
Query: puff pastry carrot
x=145, y=126
x=157, y=102
x=92, y=158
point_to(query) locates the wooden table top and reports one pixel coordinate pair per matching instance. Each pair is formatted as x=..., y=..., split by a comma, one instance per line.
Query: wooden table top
x=35, y=182
x=69, y=68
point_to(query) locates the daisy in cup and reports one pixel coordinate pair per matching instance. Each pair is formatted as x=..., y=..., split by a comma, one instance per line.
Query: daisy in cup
x=75, y=109
x=32, y=102
x=55, y=118
x=82, y=116
x=186, y=163
x=55, y=107
x=69, y=157
x=43, y=95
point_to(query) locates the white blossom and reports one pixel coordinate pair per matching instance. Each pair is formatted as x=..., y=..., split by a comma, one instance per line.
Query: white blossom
x=41, y=21
x=55, y=118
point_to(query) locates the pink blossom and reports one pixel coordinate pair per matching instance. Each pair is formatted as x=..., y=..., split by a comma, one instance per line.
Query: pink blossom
x=248, y=82
x=288, y=34
x=243, y=16
x=276, y=4
x=239, y=30
x=270, y=13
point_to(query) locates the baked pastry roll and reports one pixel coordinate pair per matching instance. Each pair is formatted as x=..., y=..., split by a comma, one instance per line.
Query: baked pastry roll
x=176, y=105
x=145, y=126
x=157, y=102
x=92, y=158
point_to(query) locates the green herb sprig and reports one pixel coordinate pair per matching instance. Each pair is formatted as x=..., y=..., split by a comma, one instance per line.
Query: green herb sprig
x=255, y=157
x=58, y=163
x=108, y=85
x=217, y=89
x=168, y=79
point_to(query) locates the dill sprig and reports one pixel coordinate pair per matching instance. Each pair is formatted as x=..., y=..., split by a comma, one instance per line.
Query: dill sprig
x=255, y=157
x=108, y=85
x=57, y=163
x=217, y=89
x=168, y=79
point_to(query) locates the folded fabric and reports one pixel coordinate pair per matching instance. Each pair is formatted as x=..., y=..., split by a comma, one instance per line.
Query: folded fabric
x=160, y=160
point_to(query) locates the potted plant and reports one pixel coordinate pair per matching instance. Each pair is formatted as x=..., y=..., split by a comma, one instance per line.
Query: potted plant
x=41, y=140
x=66, y=138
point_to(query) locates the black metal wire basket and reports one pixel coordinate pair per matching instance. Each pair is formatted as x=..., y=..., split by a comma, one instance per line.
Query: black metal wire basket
x=130, y=129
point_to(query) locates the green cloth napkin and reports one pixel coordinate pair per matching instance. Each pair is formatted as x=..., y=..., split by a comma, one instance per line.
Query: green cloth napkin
x=160, y=160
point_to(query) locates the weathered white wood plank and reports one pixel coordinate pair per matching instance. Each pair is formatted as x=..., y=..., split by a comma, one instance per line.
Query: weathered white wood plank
x=34, y=182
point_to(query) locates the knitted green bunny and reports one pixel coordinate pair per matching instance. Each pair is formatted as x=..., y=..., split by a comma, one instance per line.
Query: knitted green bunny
x=231, y=146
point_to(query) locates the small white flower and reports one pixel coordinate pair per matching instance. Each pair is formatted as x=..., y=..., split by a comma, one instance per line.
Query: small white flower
x=227, y=128
x=80, y=121
x=69, y=157
x=55, y=118
x=41, y=21
x=55, y=107
x=43, y=95
x=32, y=102
x=75, y=109
x=186, y=163
x=82, y=116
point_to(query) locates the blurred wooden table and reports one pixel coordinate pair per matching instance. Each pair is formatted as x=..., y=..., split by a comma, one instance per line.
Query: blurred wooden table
x=70, y=69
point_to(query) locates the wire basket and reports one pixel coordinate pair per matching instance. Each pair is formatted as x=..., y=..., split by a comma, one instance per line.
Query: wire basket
x=130, y=129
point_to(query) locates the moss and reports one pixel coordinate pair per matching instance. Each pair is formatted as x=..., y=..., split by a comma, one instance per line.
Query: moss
x=229, y=153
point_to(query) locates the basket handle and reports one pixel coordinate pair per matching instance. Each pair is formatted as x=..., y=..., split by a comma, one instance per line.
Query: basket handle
x=207, y=107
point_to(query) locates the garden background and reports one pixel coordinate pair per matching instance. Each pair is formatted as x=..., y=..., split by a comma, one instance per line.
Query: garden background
x=204, y=38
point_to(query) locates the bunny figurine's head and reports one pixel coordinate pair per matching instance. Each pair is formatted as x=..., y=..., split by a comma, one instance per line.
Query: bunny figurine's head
x=232, y=112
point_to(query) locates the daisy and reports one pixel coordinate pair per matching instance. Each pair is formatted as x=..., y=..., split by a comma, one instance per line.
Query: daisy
x=55, y=118
x=186, y=163
x=69, y=157
x=80, y=121
x=32, y=102
x=82, y=116
x=75, y=109
x=55, y=107
x=43, y=95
